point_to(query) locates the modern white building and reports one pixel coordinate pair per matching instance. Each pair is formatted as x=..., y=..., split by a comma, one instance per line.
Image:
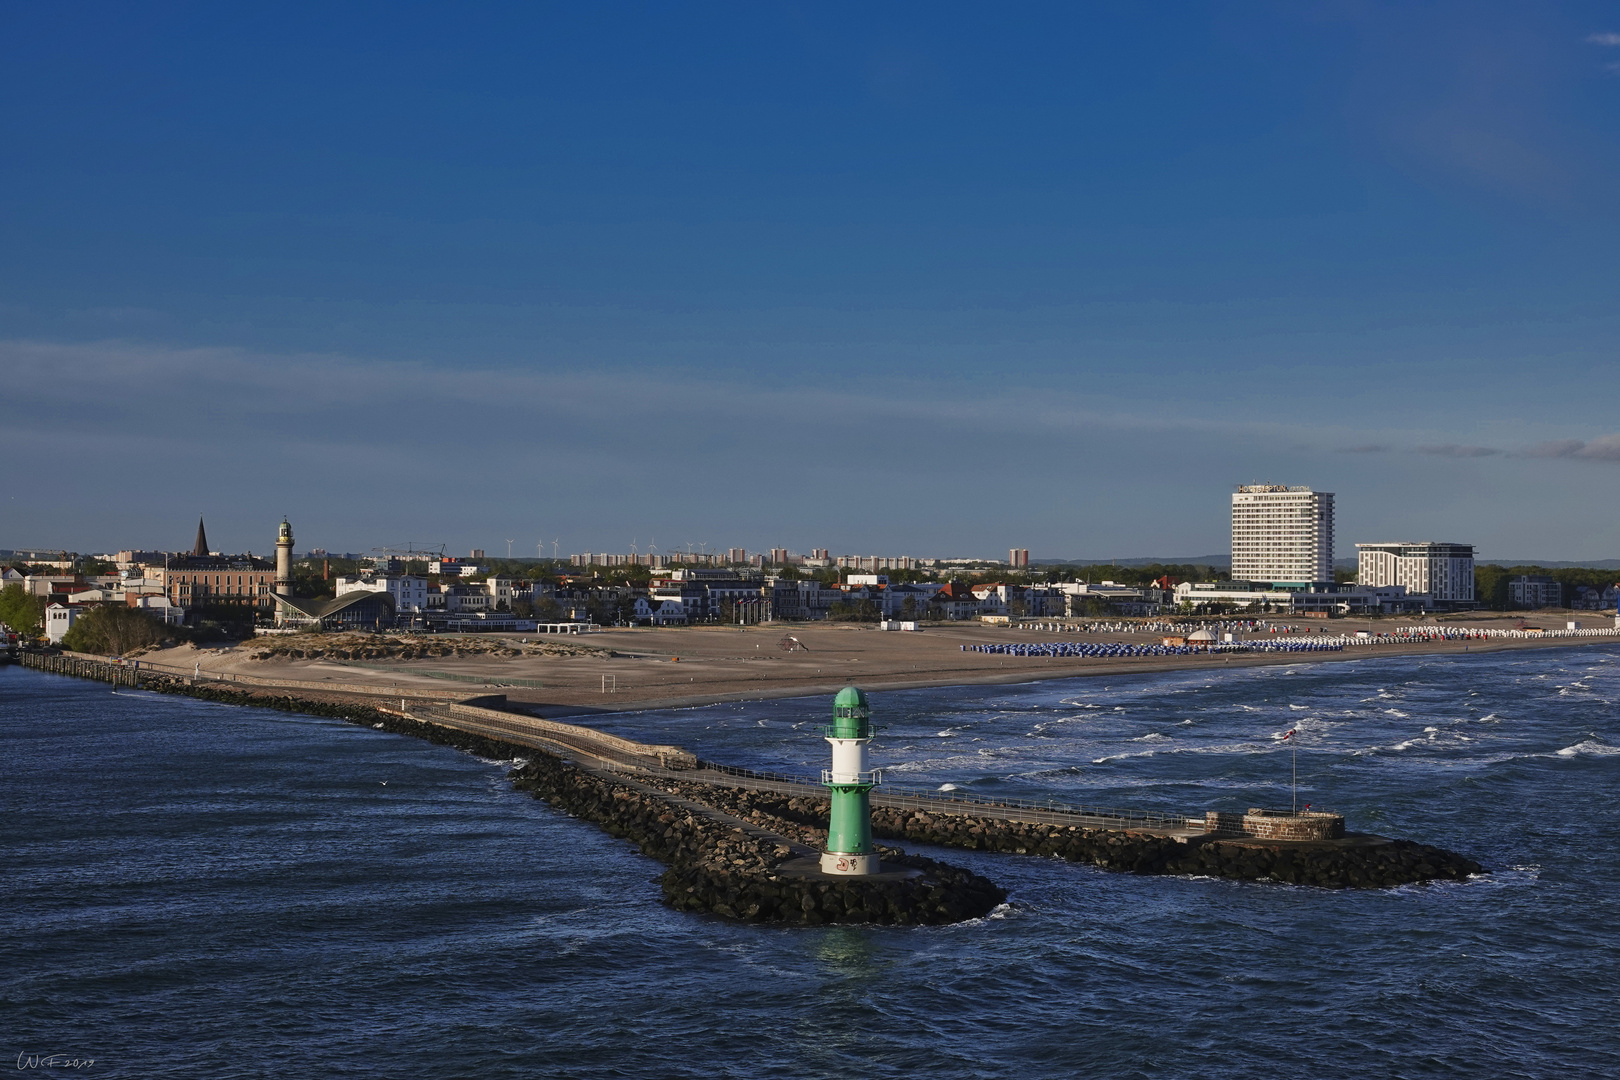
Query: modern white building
x=1122, y=599
x=454, y=568
x=410, y=594
x=1282, y=534
x=1329, y=599
x=1444, y=571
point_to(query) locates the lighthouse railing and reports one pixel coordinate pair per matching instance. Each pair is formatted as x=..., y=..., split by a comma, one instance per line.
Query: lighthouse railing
x=870, y=776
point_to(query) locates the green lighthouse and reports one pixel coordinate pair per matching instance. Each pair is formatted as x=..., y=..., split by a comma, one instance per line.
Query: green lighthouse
x=850, y=782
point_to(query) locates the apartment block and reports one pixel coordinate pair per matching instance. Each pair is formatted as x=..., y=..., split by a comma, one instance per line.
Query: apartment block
x=1443, y=571
x=1535, y=591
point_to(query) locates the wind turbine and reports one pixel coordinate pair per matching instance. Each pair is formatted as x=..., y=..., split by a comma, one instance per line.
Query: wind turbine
x=553, y=549
x=509, y=549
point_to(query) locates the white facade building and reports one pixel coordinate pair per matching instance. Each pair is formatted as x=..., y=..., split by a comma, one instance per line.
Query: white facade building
x=454, y=568
x=1282, y=534
x=410, y=594
x=1122, y=599
x=59, y=619
x=1535, y=591
x=1444, y=571
x=469, y=599
x=1334, y=599
x=159, y=607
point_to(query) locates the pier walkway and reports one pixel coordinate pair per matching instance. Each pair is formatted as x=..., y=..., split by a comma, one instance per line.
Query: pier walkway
x=601, y=751
x=585, y=746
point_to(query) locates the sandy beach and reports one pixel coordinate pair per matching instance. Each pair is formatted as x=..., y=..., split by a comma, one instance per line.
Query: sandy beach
x=646, y=668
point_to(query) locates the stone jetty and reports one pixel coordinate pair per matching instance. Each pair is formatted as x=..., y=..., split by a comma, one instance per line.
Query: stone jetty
x=732, y=867
x=737, y=849
x=1356, y=861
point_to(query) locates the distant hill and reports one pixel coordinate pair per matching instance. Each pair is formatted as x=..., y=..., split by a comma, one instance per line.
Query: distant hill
x=1552, y=564
x=1190, y=560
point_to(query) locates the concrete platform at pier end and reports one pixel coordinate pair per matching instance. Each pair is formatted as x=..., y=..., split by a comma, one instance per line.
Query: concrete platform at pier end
x=810, y=869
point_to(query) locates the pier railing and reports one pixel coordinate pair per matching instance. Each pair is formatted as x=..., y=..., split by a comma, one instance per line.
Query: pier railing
x=916, y=798
x=1111, y=816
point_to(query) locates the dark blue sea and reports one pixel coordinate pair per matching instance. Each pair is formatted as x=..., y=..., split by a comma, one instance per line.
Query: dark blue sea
x=202, y=890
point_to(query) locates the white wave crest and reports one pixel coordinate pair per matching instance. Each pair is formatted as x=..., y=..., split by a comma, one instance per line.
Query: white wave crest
x=1227, y=748
x=1591, y=748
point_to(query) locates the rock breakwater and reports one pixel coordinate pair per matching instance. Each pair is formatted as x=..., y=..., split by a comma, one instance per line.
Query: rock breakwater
x=721, y=868
x=713, y=867
x=726, y=870
x=1354, y=863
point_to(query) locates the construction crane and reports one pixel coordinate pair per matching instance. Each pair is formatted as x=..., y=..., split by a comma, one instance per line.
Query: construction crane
x=412, y=548
x=411, y=551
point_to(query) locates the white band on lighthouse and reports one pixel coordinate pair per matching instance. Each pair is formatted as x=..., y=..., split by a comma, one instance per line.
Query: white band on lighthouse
x=834, y=863
x=849, y=760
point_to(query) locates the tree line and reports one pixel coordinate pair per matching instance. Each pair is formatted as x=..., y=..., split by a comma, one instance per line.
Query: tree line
x=1491, y=581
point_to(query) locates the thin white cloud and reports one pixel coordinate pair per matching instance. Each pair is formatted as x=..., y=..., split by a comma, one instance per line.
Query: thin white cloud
x=1604, y=39
x=1558, y=448
x=1454, y=450
x=1602, y=448
x=363, y=449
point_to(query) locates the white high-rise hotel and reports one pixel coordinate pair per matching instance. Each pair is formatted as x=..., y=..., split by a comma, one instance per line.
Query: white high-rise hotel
x=1282, y=534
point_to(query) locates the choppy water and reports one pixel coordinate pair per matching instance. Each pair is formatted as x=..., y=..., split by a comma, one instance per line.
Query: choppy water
x=205, y=890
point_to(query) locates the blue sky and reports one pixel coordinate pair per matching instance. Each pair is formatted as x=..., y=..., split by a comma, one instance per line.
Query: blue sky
x=937, y=279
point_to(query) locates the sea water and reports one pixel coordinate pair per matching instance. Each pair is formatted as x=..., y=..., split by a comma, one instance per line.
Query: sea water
x=197, y=889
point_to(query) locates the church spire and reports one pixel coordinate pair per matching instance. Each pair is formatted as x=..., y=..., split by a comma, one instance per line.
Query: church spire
x=202, y=541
